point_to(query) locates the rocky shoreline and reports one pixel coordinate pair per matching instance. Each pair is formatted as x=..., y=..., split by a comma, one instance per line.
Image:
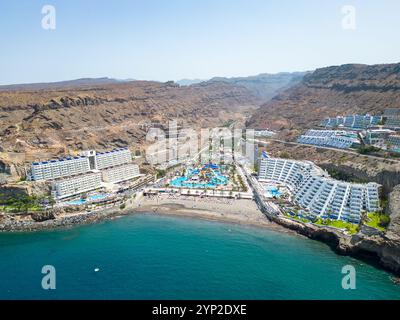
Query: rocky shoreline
x=381, y=250
x=8, y=224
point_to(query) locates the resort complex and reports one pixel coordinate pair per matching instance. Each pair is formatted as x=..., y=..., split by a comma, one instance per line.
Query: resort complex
x=330, y=138
x=392, y=118
x=357, y=131
x=264, y=133
x=202, y=155
x=72, y=176
x=352, y=121
x=204, y=179
x=304, y=185
x=319, y=195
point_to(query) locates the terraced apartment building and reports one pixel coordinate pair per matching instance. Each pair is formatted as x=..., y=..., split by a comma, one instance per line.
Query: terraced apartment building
x=356, y=122
x=317, y=193
x=89, y=171
x=392, y=117
x=394, y=142
x=55, y=169
x=74, y=185
x=330, y=138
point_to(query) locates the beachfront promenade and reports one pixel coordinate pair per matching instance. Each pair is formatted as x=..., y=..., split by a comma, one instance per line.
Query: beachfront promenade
x=248, y=207
x=267, y=207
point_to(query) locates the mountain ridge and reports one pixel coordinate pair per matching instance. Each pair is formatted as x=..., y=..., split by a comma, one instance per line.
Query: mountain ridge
x=60, y=84
x=330, y=92
x=265, y=85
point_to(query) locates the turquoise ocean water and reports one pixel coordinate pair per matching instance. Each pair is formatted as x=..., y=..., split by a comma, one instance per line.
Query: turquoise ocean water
x=158, y=257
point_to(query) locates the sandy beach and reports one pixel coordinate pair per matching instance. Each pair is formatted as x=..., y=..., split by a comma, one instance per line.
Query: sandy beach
x=241, y=211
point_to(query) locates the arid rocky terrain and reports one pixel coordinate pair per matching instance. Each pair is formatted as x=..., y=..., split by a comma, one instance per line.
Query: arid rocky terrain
x=56, y=120
x=329, y=92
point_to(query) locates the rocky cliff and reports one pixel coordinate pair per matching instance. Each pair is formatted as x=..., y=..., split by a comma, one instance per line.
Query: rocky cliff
x=332, y=91
x=378, y=249
x=393, y=210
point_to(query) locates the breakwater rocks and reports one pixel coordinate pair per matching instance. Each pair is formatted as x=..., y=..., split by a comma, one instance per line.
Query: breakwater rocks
x=43, y=216
x=12, y=223
x=379, y=248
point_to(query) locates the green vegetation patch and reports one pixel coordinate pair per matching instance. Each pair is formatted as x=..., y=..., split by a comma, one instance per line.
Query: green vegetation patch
x=367, y=149
x=161, y=173
x=300, y=219
x=377, y=220
x=285, y=155
x=21, y=204
x=296, y=217
x=229, y=123
x=243, y=185
x=351, y=228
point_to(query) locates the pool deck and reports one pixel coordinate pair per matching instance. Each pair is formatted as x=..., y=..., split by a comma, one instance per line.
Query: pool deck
x=217, y=179
x=89, y=199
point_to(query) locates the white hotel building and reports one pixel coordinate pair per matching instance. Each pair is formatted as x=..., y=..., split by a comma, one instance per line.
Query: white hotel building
x=120, y=173
x=113, y=158
x=319, y=194
x=330, y=138
x=55, y=169
x=74, y=185
x=90, y=171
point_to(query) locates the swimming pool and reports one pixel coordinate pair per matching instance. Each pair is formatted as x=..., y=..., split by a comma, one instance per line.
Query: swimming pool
x=210, y=174
x=271, y=192
x=88, y=199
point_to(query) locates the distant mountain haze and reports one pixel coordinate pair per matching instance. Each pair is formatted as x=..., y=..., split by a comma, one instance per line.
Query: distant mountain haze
x=61, y=84
x=265, y=85
x=188, y=82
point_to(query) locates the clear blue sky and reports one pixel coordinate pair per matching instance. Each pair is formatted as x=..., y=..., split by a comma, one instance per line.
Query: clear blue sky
x=175, y=39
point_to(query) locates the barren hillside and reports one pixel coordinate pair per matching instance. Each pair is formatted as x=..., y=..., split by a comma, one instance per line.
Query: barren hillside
x=332, y=91
x=48, y=122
